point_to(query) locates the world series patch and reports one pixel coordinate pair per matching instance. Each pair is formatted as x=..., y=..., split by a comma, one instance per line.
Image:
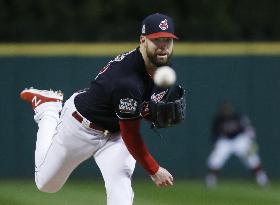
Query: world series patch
x=128, y=105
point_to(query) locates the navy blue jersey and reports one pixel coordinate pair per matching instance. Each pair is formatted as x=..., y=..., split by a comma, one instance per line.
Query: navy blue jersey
x=121, y=90
x=229, y=126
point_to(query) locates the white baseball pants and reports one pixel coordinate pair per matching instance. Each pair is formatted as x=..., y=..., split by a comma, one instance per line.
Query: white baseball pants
x=63, y=143
x=241, y=146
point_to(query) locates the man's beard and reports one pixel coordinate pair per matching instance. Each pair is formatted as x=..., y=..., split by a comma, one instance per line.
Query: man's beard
x=154, y=60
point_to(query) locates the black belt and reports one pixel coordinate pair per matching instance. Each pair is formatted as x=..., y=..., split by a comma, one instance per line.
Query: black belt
x=87, y=123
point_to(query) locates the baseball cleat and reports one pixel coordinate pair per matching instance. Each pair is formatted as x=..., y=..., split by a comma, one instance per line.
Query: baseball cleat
x=37, y=97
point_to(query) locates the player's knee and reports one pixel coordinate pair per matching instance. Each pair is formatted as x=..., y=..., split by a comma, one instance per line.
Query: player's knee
x=215, y=165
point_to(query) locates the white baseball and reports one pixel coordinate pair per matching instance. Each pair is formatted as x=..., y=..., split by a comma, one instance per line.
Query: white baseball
x=164, y=76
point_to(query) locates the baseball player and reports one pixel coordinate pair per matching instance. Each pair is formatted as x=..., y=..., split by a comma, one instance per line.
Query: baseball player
x=233, y=133
x=103, y=121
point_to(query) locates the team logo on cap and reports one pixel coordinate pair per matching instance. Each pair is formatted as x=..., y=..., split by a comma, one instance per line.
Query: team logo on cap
x=163, y=25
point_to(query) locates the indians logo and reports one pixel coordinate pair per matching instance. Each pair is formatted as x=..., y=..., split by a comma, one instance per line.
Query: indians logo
x=128, y=105
x=158, y=97
x=163, y=25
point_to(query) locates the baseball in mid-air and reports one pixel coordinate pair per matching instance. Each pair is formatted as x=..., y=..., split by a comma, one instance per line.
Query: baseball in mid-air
x=164, y=76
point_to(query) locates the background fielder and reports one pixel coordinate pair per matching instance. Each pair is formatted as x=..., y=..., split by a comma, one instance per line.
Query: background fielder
x=233, y=134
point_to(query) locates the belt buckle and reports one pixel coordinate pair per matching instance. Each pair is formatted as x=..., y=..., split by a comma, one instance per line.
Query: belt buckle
x=86, y=123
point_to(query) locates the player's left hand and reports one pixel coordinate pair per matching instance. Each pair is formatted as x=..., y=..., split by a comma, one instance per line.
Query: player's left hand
x=162, y=178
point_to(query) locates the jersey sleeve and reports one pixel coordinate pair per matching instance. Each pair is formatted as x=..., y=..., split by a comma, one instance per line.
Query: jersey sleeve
x=127, y=102
x=130, y=131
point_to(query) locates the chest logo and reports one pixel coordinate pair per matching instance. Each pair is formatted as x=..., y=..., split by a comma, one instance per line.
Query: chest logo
x=158, y=97
x=128, y=105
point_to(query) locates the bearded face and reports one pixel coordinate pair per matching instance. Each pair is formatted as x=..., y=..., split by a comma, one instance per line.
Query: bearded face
x=159, y=51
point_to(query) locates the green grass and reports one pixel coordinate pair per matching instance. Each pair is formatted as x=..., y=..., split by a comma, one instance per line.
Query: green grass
x=187, y=192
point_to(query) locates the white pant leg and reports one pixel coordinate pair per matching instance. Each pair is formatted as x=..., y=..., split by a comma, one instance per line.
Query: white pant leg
x=47, y=117
x=61, y=145
x=117, y=166
x=245, y=150
x=221, y=152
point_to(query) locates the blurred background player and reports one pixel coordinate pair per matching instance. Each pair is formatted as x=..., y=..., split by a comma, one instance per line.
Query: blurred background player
x=233, y=134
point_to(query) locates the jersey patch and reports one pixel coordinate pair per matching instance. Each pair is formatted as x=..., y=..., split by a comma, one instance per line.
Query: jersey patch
x=128, y=105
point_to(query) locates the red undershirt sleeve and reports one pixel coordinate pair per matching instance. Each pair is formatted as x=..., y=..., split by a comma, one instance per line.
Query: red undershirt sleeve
x=130, y=131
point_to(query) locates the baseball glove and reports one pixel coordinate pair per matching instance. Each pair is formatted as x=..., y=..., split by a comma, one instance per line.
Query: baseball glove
x=170, y=110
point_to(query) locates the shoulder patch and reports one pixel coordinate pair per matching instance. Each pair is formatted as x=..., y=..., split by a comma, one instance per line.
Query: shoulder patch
x=128, y=105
